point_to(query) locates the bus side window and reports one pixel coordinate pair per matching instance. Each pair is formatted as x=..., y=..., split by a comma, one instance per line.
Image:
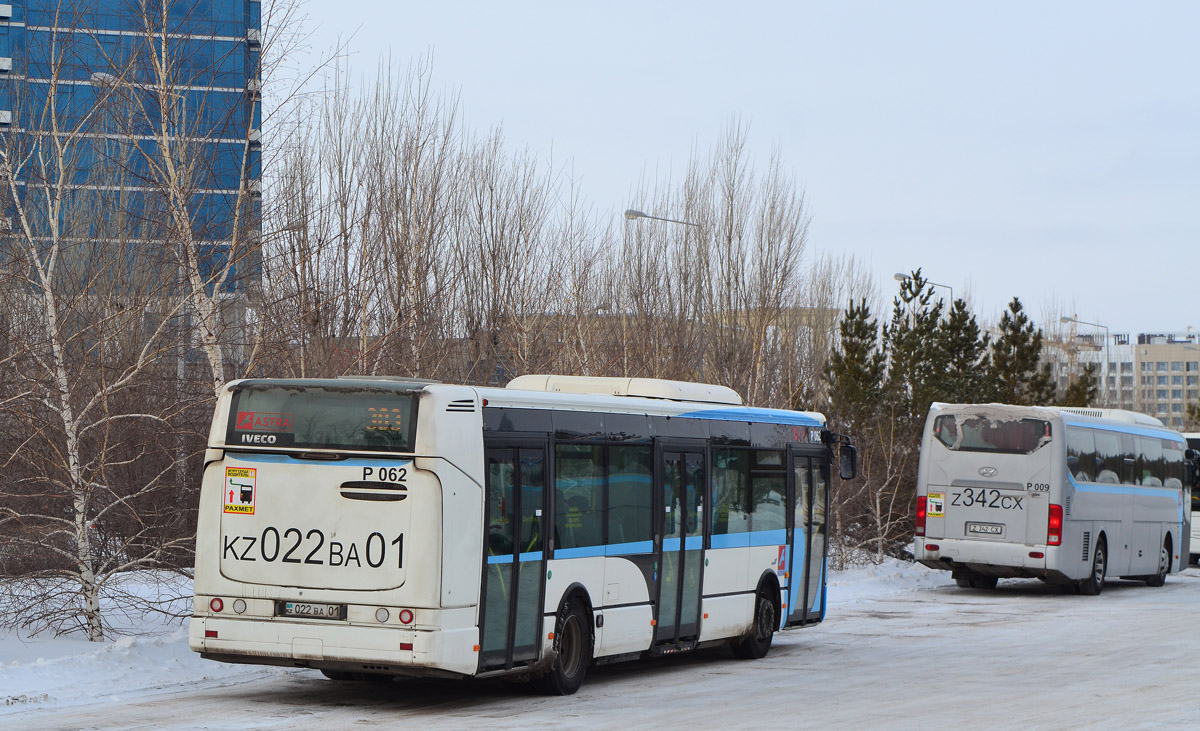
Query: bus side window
x=1081, y=454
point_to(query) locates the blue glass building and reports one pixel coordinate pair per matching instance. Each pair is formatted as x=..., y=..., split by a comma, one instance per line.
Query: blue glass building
x=132, y=102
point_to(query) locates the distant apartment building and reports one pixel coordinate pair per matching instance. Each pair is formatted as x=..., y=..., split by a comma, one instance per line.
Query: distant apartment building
x=1153, y=373
x=123, y=86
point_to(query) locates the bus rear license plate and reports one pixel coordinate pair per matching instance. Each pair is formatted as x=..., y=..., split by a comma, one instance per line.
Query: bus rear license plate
x=311, y=611
x=985, y=529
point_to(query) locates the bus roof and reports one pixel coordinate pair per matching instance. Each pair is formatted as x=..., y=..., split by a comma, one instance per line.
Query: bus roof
x=1073, y=413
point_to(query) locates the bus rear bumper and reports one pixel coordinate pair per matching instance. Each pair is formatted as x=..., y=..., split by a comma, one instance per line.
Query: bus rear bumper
x=336, y=647
x=1002, y=560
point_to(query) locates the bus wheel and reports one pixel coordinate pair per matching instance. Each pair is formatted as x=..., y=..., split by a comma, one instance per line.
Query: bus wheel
x=1164, y=566
x=573, y=650
x=1094, y=583
x=984, y=582
x=765, y=621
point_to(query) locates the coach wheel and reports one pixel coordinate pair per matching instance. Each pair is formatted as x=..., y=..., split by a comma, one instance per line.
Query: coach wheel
x=963, y=581
x=572, y=649
x=1164, y=565
x=765, y=621
x=1094, y=583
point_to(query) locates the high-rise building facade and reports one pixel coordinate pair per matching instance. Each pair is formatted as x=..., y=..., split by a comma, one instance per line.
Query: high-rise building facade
x=1153, y=373
x=146, y=113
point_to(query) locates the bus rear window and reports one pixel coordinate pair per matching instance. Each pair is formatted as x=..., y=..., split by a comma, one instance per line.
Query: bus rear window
x=322, y=417
x=965, y=433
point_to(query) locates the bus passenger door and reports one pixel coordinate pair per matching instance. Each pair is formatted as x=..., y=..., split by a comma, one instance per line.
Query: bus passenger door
x=806, y=578
x=799, y=492
x=681, y=543
x=513, y=561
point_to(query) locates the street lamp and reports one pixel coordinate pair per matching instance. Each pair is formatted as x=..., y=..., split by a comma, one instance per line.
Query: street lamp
x=633, y=215
x=905, y=277
x=1104, y=382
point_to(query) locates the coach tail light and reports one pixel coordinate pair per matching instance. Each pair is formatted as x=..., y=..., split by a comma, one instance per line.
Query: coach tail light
x=216, y=605
x=920, y=529
x=1054, y=526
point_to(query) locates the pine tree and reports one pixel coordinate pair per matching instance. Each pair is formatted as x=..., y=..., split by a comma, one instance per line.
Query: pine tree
x=1017, y=376
x=916, y=362
x=1082, y=391
x=856, y=366
x=966, y=356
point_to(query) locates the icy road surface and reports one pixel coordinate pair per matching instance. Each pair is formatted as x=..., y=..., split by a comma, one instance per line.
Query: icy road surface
x=902, y=648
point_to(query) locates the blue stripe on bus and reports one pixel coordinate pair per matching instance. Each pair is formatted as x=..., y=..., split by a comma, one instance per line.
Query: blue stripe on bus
x=628, y=549
x=507, y=557
x=581, y=552
x=289, y=459
x=765, y=416
x=693, y=543
x=730, y=540
x=1159, y=433
x=753, y=538
x=1107, y=489
x=768, y=537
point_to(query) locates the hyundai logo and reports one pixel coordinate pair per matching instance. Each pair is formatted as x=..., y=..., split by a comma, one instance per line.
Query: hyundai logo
x=988, y=471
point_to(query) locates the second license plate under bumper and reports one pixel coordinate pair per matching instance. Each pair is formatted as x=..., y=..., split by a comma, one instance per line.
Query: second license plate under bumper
x=991, y=530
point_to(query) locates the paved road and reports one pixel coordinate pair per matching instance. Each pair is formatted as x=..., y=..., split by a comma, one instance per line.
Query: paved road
x=1022, y=656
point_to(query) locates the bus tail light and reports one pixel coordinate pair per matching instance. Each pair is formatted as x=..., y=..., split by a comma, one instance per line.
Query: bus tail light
x=216, y=604
x=920, y=529
x=1054, y=526
x=932, y=547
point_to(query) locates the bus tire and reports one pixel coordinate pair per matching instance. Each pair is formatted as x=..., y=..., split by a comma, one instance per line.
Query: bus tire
x=572, y=649
x=1094, y=583
x=984, y=582
x=766, y=619
x=1164, y=565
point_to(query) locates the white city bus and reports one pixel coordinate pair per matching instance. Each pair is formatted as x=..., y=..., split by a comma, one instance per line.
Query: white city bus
x=1066, y=495
x=375, y=527
x=1193, y=442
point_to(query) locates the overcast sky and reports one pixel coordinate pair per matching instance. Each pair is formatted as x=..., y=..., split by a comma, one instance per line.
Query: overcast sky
x=1049, y=151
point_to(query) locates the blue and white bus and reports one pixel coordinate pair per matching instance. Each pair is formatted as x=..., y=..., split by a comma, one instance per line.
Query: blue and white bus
x=1067, y=495
x=395, y=527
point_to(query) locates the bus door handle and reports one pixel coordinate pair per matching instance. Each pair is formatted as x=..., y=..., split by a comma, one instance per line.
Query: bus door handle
x=373, y=491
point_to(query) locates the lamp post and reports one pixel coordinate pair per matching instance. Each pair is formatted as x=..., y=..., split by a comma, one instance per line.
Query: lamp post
x=633, y=215
x=1104, y=371
x=905, y=277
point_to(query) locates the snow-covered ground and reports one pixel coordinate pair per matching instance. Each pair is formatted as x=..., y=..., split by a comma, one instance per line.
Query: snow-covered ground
x=902, y=647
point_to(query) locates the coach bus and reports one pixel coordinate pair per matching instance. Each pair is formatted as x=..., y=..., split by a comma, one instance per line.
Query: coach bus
x=1067, y=495
x=386, y=527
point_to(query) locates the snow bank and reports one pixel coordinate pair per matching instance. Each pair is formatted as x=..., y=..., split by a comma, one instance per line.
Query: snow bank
x=865, y=583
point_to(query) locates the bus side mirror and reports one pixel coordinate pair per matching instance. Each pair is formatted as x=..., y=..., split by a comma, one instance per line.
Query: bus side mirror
x=848, y=457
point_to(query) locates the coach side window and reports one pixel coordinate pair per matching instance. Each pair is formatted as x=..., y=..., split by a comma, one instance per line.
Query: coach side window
x=579, y=495
x=730, y=477
x=1110, y=458
x=1173, y=464
x=1150, y=461
x=1081, y=454
x=630, y=513
x=768, y=491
